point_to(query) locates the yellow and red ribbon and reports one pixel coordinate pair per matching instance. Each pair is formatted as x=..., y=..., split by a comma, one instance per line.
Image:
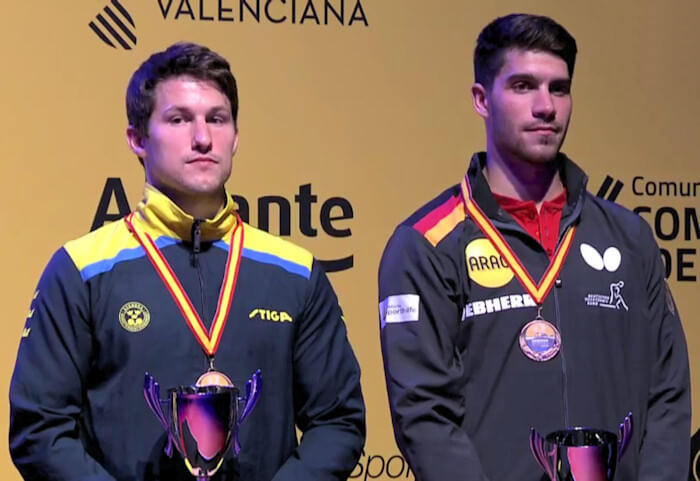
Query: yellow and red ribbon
x=209, y=340
x=537, y=291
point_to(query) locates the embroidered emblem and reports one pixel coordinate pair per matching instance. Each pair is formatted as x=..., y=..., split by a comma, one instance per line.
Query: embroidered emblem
x=134, y=316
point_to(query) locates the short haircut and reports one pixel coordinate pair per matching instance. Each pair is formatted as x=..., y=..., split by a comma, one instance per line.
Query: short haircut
x=520, y=32
x=188, y=59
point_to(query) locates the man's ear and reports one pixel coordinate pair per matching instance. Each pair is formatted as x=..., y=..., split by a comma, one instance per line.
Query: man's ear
x=480, y=100
x=136, y=140
x=235, y=141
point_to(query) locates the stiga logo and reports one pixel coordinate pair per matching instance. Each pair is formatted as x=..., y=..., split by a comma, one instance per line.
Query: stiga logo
x=112, y=27
x=485, y=265
x=333, y=215
x=300, y=12
x=270, y=315
x=672, y=221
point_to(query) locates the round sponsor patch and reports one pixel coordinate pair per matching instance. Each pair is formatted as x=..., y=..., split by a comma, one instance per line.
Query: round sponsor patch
x=485, y=265
x=134, y=316
x=540, y=340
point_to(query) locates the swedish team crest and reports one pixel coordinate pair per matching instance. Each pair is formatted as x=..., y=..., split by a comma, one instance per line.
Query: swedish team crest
x=134, y=316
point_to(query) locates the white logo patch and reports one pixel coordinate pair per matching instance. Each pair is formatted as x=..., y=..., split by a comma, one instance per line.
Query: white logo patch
x=614, y=300
x=398, y=309
x=610, y=260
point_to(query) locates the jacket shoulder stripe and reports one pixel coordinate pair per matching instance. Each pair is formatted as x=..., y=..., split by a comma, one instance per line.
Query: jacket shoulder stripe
x=261, y=246
x=101, y=249
x=439, y=222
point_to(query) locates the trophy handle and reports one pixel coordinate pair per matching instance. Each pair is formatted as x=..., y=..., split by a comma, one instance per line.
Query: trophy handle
x=624, y=435
x=151, y=391
x=252, y=393
x=537, y=446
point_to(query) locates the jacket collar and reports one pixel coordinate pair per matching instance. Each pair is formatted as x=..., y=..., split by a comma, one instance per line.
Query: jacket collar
x=573, y=178
x=160, y=216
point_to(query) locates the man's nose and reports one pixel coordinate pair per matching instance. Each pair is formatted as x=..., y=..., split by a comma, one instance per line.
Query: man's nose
x=544, y=108
x=201, y=138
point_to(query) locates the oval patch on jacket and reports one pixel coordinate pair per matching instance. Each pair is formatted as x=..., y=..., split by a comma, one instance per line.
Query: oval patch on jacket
x=485, y=265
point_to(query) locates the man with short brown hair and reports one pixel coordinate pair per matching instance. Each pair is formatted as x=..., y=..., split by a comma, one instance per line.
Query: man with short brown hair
x=517, y=299
x=185, y=290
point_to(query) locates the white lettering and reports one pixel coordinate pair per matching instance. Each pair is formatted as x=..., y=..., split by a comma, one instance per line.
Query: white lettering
x=493, y=305
x=398, y=309
x=505, y=302
x=497, y=304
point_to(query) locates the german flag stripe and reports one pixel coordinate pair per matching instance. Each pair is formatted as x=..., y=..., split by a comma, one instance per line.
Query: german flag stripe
x=442, y=220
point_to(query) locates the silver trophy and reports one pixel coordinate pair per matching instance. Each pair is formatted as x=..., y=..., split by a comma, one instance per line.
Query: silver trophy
x=202, y=420
x=581, y=454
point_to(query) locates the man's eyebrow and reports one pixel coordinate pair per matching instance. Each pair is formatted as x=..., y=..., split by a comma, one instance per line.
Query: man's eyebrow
x=184, y=108
x=521, y=76
x=217, y=108
x=533, y=78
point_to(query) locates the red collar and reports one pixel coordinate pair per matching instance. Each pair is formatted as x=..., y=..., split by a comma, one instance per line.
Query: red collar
x=542, y=226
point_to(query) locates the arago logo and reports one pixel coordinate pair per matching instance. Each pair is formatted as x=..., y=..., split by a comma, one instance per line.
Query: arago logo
x=134, y=316
x=485, y=265
x=112, y=27
x=332, y=217
x=270, y=315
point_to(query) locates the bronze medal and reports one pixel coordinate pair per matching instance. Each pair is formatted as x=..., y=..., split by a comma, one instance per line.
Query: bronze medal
x=213, y=378
x=540, y=340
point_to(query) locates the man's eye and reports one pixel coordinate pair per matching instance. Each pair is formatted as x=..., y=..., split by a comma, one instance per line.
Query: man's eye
x=176, y=120
x=520, y=86
x=561, y=89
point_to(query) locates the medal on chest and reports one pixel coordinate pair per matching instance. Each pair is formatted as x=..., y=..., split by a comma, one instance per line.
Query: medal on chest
x=539, y=339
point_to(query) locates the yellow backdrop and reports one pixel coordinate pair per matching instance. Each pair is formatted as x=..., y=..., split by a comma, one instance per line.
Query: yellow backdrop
x=365, y=100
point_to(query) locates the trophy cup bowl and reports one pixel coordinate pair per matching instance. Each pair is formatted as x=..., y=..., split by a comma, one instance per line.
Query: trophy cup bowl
x=202, y=421
x=581, y=454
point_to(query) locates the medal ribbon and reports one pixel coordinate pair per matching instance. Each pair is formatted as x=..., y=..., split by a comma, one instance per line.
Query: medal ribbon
x=208, y=340
x=537, y=291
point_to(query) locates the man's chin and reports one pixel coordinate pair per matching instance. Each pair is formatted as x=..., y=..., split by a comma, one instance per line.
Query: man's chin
x=541, y=155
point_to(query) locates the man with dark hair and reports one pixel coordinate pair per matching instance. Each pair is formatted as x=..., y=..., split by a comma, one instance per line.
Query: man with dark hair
x=182, y=288
x=517, y=299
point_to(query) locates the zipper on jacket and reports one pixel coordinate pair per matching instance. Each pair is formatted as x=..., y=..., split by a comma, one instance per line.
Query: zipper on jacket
x=196, y=241
x=196, y=249
x=565, y=394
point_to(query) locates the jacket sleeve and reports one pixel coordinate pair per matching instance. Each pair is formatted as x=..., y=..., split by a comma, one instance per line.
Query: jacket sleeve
x=46, y=391
x=328, y=401
x=420, y=319
x=665, y=450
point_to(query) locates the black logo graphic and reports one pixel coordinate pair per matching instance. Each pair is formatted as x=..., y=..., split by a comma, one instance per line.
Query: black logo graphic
x=694, y=454
x=333, y=210
x=114, y=29
x=605, y=186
